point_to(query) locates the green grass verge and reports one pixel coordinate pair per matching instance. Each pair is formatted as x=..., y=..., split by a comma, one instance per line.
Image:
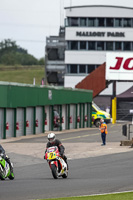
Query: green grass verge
x=118, y=196
x=22, y=74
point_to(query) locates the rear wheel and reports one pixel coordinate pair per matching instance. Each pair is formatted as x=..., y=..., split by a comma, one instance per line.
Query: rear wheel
x=54, y=171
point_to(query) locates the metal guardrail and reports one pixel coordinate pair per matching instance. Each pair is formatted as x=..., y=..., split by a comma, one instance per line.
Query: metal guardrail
x=124, y=114
x=127, y=129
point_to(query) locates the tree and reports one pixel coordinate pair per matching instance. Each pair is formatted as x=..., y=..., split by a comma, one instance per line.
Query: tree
x=11, y=54
x=41, y=61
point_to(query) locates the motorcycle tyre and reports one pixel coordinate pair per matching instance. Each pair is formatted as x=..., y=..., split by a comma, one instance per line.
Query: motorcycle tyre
x=54, y=171
x=11, y=177
x=1, y=178
x=65, y=175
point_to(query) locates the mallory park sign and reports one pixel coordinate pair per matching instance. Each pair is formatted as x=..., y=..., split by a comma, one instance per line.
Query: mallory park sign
x=100, y=34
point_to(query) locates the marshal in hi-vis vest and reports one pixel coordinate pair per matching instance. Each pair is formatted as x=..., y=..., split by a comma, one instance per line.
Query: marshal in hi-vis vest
x=103, y=128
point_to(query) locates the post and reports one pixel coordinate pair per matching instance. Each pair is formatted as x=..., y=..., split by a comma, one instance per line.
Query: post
x=52, y=117
x=15, y=117
x=45, y=67
x=68, y=116
x=76, y=106
x=43, y=119
x=25, y=121
x=34, y=81
x=60, y=117
x=129, y=131
x=114, y=103
x=4, y=124
x=80, y=114
x=34, y=119
x=114, y=110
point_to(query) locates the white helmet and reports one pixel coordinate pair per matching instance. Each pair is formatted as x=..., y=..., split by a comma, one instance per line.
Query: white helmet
x=101, y=120
x=51, y=137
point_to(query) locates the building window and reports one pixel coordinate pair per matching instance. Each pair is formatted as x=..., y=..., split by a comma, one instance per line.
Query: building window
x=82, y=69
x=74, y=45
x=127, y=23
x=68, y=21
x=118, y=46
x=73, y=69
x=118, y=22
x=74, y=21
x=83, y=45
x=68, y=69
x=83, y=21
x=100, y=22
x=100, y=46
x=109, y=46
x=91, y=45
x=109, y=22
x=68, y=45
x=91, y=21
x=126, y=46
x=90, y=68
x=96, y=66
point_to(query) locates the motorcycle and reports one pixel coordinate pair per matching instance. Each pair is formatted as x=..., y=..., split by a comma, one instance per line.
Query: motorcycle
x=56, y=163
x=5, y=171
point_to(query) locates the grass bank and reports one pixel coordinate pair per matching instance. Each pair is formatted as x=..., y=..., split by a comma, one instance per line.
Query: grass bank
x=22, y=74
x=118, y=196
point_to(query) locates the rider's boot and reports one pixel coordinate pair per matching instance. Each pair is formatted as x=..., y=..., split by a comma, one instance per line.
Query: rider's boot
x=10, y=164
x=65, y=159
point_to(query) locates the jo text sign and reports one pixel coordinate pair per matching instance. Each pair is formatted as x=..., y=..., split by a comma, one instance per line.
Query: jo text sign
x=119, y=66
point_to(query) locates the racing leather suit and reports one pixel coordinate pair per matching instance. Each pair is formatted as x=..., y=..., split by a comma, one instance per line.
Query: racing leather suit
x=2, y=151
x=60, y=147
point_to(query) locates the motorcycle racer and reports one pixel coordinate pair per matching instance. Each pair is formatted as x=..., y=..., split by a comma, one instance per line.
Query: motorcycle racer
x=3, y=154
x=52, y=141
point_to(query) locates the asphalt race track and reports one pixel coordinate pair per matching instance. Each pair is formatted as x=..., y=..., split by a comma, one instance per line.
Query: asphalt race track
x=92, y=175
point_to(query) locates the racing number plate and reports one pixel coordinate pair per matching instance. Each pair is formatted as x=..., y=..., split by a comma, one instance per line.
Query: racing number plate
x=51, y=155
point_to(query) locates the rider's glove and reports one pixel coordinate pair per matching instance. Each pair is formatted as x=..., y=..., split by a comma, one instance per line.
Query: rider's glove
x=2, y=155
x=61, y=154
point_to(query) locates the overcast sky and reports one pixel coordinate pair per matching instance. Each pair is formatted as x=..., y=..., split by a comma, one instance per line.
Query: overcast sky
x=29, y=22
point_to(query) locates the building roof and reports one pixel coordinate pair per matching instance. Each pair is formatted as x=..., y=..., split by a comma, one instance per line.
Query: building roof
x=98, y=6
x=127, y=94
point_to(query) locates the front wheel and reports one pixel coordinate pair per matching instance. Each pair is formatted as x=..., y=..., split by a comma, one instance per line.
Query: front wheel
x=97, y=123
x=2, y=174
x=1, y=178
x=54, y=171
x=11, y=177
x=65, y=175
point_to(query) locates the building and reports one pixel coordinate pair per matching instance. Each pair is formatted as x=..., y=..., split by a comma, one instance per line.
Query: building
x=90, y=32
x=27, y=109
x=54, y=58
x=125, y=105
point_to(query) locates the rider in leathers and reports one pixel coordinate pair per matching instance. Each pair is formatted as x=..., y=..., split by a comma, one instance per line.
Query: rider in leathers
x=2, y=151
x=55, y=142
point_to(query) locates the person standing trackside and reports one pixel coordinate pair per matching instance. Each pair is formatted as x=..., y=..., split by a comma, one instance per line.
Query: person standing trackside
x=103, y=129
